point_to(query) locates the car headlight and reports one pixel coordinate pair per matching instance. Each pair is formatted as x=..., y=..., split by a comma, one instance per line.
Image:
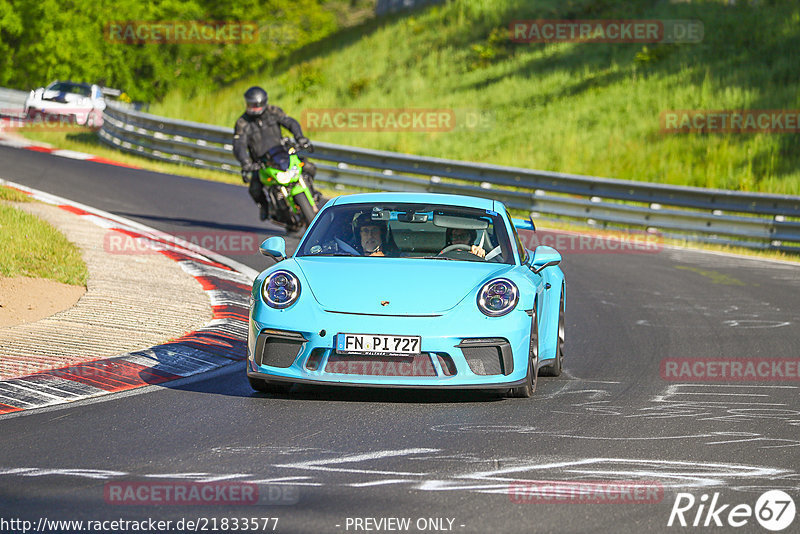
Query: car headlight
x=280, y=289
x=498, y=297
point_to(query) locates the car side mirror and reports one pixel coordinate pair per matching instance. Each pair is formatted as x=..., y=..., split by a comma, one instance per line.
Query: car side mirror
x=544, y=256
x=274, y=247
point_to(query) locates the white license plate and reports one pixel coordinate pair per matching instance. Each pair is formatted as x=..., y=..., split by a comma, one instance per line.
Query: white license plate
x=377, y=344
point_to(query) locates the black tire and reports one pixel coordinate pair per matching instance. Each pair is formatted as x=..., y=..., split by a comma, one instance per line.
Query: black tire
x=555, y=368
x=526, y=390
x=265, y=386
x=306, y=209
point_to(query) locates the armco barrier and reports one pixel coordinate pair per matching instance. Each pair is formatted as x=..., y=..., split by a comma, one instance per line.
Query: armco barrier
x=754, y=220
x=12, y=102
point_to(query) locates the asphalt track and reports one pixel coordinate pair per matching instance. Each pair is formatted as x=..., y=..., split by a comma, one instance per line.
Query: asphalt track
x=324, y=456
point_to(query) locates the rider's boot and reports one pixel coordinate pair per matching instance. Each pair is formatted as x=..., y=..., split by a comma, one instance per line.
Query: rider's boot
x=263, y=211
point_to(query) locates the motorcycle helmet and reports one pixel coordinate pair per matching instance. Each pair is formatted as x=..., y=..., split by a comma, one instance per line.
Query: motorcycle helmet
x=256, y=100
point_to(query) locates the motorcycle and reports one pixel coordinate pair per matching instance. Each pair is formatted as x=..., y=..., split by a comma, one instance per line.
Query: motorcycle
x=289, y=189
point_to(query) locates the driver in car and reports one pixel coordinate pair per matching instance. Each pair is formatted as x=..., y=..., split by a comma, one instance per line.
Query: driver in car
x=466, y=237
x=373, y=237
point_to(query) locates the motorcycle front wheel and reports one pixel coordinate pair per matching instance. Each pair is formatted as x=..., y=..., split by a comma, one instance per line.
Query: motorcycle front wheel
x=305, y=206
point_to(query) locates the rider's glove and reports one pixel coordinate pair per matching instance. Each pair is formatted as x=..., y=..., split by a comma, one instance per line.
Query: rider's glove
x=246, y=176
x=304, y=143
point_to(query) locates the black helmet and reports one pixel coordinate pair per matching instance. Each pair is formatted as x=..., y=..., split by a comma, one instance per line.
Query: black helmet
x=256, y=100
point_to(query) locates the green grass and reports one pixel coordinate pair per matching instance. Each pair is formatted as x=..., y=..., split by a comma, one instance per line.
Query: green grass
x=33, y=248
x=12, y=195
x=579, y=108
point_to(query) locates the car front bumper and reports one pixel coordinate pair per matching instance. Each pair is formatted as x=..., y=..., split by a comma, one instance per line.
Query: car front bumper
x=460, y=349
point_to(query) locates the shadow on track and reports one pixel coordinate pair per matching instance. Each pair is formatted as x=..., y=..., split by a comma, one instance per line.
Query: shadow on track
x=204, y=223
x=234, y=384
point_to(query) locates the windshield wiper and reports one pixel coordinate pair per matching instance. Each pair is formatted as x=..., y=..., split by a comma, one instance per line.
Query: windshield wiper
x=437, y=258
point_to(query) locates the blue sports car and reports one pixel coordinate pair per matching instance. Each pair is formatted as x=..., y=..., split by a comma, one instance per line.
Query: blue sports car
x=410, y=290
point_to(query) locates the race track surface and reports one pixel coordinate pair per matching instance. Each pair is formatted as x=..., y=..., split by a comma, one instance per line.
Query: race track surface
x=463, y=462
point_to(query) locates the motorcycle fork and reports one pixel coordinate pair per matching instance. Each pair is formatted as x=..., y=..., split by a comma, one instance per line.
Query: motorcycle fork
x=303, y=189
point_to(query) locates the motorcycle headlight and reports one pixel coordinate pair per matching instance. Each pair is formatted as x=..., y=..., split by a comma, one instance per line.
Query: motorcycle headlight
x=498, y=297
x=280, y=289
x=285, y=177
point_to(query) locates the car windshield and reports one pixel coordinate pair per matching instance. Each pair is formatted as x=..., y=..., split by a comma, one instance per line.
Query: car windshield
x=64, y=87
x=412, y=231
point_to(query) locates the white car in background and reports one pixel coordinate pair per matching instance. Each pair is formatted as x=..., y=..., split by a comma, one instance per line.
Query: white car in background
x=81, y=103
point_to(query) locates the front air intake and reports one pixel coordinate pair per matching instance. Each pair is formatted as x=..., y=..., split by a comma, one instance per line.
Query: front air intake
x=278, y=348
x=488, y=356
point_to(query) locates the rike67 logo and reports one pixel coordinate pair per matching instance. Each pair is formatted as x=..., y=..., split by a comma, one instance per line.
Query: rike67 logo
x=774, y=510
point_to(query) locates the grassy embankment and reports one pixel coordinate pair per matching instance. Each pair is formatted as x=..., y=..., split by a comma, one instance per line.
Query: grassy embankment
x=33, y=248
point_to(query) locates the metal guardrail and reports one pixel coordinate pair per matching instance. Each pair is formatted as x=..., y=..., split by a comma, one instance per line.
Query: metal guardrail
x=12, y=102
x=754, y=220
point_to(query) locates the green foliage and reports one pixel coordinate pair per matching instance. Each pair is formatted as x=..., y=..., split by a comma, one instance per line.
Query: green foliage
x=306, y=77
x=496, y=47
x=357, y=87
x=57, y=43
x=649, y=55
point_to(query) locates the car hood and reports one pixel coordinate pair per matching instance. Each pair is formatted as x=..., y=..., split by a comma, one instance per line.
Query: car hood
x=387, y=286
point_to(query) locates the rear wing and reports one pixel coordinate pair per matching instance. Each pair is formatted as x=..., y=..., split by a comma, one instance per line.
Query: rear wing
x=108, y=91
x=522, y=224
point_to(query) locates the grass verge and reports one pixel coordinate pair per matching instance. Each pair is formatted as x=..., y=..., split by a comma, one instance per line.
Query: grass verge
x=31, y=247
x=12, y=195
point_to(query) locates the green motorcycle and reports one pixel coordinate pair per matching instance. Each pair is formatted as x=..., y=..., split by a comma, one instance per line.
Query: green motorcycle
x=289, y=189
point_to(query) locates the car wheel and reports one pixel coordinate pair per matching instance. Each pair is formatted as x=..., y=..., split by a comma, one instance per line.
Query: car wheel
x=526, y=390
x=265, y=386
x=555, y=368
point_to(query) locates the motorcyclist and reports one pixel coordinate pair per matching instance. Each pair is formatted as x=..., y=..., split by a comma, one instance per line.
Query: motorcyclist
x=257, y=134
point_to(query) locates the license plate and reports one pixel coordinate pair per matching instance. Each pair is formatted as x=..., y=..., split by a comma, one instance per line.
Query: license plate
x=376, y=344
